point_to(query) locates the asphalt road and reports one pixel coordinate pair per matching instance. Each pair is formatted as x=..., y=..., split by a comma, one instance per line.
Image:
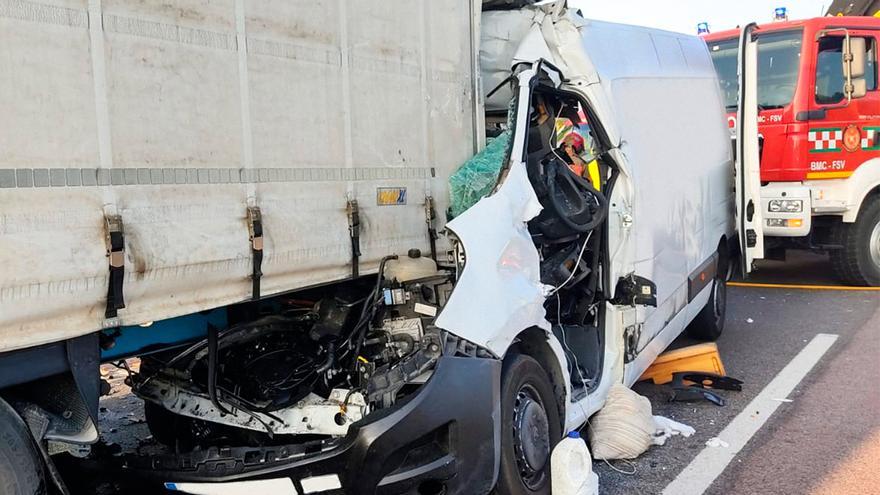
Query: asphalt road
x=827, y=439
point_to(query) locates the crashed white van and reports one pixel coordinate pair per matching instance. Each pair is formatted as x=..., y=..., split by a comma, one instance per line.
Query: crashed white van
x=415, y=374
x=578, y=291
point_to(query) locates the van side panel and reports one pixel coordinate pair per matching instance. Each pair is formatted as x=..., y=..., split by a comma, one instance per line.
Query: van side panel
x=680, y=158
x=667, y=109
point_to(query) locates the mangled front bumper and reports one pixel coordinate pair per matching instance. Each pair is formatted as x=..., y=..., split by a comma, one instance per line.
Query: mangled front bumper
x=444, y=436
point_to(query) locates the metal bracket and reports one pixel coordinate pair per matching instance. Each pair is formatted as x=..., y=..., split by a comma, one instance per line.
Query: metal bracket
x=354, y=231
x=255, y=235
x=430, y=220
x=631, y=336
x=115, y=239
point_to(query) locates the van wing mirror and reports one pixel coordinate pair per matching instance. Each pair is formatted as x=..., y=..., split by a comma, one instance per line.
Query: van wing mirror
x=854, y=62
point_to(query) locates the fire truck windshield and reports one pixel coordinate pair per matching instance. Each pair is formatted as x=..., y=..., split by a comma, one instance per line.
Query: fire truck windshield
x=779, y=56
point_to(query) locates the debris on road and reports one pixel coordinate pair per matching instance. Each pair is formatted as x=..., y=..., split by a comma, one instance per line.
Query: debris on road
x=716, y=442
x=666, y=428
x=691, y=371
x=700, y=357
x=701, y=382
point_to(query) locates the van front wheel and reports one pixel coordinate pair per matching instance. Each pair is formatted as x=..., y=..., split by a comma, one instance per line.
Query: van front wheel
x=530, y=428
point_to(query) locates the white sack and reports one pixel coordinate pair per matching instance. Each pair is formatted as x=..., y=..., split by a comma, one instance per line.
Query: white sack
x=624, y=428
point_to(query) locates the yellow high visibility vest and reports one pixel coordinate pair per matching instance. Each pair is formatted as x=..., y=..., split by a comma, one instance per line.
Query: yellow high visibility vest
x=593, y=174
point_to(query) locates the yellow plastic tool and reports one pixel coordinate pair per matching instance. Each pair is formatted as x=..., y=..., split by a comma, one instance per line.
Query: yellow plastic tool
x=700, y=357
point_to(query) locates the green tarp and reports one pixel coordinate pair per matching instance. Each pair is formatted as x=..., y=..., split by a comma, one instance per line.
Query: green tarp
x=476, y=178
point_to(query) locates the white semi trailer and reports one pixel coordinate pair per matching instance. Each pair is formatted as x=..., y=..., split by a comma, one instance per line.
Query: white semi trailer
x=251, y=197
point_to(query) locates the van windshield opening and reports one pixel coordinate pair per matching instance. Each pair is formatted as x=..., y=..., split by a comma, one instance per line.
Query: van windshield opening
x=779, y=58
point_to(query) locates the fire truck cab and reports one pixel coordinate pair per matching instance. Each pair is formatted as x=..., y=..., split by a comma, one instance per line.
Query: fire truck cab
x=819, y=136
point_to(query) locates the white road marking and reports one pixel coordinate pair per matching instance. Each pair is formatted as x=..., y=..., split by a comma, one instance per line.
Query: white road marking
x=711, y=462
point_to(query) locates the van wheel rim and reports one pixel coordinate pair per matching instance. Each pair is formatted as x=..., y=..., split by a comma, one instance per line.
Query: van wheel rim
x=531, y=437
x=874, y=245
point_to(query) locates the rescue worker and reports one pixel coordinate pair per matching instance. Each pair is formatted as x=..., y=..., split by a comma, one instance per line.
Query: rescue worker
x=581, y=162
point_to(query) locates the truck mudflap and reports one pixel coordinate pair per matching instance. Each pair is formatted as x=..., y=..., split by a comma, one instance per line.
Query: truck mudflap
x=444, y=438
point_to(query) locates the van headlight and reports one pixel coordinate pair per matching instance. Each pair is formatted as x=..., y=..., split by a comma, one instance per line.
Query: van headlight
x=786, y=206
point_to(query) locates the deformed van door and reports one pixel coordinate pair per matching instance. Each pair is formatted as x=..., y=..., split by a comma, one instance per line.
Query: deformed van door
x=749, y=221
x=499, y=290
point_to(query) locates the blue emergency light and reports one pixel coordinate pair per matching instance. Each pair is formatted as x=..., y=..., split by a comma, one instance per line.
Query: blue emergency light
x=781, y=14
x=703, y=28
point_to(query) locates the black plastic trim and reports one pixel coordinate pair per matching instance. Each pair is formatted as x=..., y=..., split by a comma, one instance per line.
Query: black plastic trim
x=809, y=115
x=462, y=396
x=700, y=278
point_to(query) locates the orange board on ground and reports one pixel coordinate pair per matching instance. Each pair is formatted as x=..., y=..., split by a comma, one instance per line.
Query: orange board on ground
x=700, y=357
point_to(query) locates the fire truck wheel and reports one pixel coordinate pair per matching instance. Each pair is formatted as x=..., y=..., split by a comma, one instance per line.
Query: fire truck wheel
x=858, y=263
x=21, y=467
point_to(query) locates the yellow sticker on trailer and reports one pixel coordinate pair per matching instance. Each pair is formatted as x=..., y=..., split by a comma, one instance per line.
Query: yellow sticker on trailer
x=390, y=196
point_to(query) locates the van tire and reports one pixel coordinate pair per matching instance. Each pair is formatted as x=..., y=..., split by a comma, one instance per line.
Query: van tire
x=858, y=263
x=527, y=400
x=709, y=322
x=21, y=466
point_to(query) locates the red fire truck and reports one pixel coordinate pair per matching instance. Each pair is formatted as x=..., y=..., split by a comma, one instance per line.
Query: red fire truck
x=819, y=136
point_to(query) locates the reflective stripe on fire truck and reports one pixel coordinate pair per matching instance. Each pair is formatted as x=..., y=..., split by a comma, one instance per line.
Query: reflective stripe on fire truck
x=825, y=140
x=842, y=174
x=871, y=138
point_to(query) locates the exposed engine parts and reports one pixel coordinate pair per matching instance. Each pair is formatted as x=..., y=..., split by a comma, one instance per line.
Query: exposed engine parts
x=312, y=414
x=310, y=366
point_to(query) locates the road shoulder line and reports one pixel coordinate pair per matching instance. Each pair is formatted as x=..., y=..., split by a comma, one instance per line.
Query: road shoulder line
x=802, y=286
x=711, y=461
